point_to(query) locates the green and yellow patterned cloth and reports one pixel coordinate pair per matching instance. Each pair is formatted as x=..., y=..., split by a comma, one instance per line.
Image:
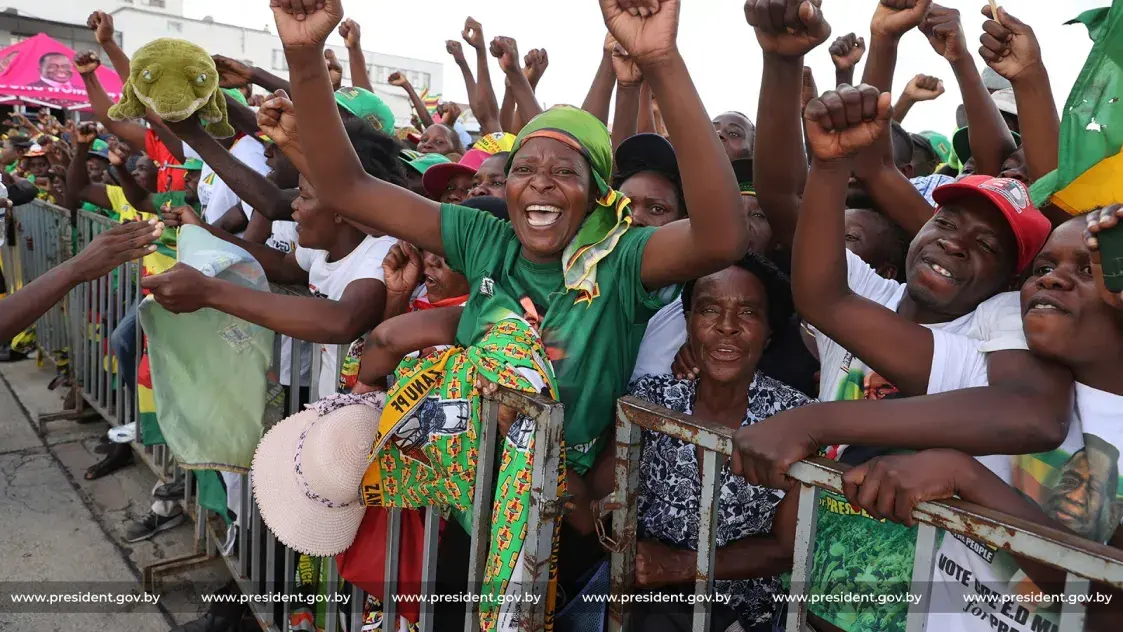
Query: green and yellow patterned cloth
x=427, y=448
x=602, y=230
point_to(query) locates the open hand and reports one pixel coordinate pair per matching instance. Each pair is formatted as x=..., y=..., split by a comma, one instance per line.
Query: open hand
x=306, y=23
x=894, y=18
x=890, y=487
x=647, y=29
x=231, y=72
x=845, y=121
x=506, y=50
x=847, y=51
x=789, y=28
x=101, y=23
x=1099, y=220
x=944, y=31
x=474, y=34
x=924, y=88
x=277, y=120
x=87, y=62
x=398, y=79
x=455, y=49
x=402, y=268
x=350, y=32
x=180, y=290
x=1010, y=47
x=128, y=241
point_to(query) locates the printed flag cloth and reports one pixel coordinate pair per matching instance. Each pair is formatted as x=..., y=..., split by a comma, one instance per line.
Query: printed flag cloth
x=1090, y=171
x=212, y=352
x=431, y=101
x=426, y=450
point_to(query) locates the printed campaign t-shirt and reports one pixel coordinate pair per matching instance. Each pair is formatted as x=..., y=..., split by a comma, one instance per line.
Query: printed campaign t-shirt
x=855, y=552
x=592, y=344
x=1078, y=485
x=284, y=239
x=330, y=280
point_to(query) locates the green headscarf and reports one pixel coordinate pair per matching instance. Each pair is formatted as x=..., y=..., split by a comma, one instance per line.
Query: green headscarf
x=612, y=216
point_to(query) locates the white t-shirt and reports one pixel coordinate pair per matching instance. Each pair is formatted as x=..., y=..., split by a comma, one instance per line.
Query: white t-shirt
x=997, y=323
x=1078, y=485
x=215, y=196
x=330, y=280
x=665, y=335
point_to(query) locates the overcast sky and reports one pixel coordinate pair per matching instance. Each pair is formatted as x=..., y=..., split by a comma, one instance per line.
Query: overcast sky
x=719, y=47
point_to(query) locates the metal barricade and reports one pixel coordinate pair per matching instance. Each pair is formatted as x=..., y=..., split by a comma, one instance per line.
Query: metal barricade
x=41, y=241
x=1083, y=561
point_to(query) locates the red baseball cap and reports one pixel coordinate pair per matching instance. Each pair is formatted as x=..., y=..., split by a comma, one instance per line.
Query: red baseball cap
x=1010, y=196
x=436, y=177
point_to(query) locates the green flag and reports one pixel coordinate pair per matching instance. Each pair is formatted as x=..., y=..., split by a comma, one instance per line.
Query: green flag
x=1090, y=166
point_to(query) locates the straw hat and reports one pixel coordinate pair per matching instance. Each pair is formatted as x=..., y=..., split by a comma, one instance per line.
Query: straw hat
x=306, y=476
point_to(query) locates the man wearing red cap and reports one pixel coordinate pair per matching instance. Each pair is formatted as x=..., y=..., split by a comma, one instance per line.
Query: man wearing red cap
x=882, y=340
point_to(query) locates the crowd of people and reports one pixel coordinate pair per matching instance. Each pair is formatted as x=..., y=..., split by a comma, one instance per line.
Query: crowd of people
x=821, y=280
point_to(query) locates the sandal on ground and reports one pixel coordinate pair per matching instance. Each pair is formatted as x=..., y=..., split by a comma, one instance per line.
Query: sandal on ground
x=117, y=458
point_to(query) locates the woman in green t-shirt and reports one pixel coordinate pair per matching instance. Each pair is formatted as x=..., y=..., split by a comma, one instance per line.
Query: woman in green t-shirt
x=569, y=261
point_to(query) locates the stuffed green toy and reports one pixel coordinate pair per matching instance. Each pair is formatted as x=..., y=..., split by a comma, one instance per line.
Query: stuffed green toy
x=175, y=79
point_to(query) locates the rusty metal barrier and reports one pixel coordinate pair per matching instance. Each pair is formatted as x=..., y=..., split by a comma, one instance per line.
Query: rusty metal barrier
x=1082, y=560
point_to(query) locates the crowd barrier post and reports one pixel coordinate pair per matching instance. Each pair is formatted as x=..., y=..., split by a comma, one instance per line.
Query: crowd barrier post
x=1084, y=561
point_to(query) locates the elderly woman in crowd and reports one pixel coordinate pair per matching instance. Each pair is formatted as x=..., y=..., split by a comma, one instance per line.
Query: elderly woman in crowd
x=730, y=318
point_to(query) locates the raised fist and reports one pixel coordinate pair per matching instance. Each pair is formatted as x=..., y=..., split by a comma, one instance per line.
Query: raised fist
x=119, y=153
x=924, y=88
x=306, y=23
x=398, y=79
x=894, y=18
x=647, y=29
x=1009, y=47
x=473, y=34
x=847, y=51
x=944, y=31
x=537, y=60
x=455, y=49
x=87, y=133
x=789, y=28
x=844, y=121
x=335, y=69
x=627, y=71
x=87, y=62
x=350, y=33
x=101, y=23
x=277, y=119
x=506, y=50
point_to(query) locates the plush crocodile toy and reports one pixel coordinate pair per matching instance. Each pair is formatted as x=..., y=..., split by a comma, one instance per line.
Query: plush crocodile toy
x=175, y=79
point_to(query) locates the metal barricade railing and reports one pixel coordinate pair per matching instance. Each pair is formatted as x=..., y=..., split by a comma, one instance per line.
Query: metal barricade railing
x=41, y=240
x=260, y=565
x=1083, y=561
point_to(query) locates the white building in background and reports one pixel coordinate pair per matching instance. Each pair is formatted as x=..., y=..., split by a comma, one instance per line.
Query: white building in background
x=140, y=21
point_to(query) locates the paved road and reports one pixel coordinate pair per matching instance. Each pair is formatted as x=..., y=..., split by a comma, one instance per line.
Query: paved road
x=56, y=527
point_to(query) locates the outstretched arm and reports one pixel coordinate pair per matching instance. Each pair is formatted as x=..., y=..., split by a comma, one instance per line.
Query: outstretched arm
x=839, y=124
x=398, y=79
x=133, y=134
x=184, y=289
x=991, y=141
x=107, y=251
x=780, y=167
x=352, y=36
x=278, y=267
x=891, y=20
x=134, y=193
x=394, y=338
x=1011, y=49
x=78, y=186
x=600, y=93
x=101, y=23
x=489, y=114
x=333, y=166
x=717, y=233
x=506, y=50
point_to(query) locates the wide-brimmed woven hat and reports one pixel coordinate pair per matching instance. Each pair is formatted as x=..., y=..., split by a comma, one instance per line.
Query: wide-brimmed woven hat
x=306, y=475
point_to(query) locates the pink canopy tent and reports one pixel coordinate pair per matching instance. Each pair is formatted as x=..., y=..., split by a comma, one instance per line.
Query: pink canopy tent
x=38, y=71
